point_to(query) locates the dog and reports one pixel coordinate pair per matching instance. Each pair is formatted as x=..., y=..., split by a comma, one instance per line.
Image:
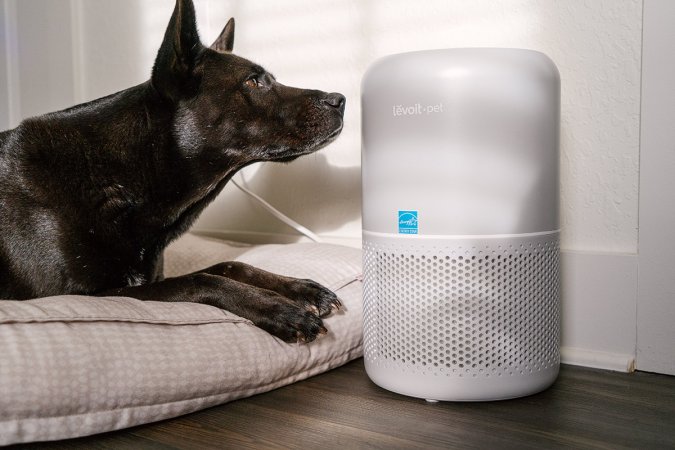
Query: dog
x=91, y=196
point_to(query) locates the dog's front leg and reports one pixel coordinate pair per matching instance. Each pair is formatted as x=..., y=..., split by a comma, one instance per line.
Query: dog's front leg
x=304, y=292
x=283, y=317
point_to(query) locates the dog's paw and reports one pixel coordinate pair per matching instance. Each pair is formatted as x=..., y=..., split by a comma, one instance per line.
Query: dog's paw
x=291, y=323
x=312, y=296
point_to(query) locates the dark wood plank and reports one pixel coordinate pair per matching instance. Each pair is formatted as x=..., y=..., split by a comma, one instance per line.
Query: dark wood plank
x=586, y=408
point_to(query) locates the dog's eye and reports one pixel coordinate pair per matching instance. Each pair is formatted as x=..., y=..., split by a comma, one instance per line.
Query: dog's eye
x=252, y=83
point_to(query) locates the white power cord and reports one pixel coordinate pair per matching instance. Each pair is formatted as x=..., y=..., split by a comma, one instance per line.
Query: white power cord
x=278, y=214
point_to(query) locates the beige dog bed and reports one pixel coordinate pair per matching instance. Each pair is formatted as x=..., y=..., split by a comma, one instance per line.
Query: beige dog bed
x=73, y=366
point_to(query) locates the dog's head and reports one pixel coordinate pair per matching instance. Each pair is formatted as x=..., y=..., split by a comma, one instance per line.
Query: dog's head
x=227, y=106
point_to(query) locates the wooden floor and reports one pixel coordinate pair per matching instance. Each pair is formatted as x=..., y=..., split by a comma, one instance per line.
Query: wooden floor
x=586, y=408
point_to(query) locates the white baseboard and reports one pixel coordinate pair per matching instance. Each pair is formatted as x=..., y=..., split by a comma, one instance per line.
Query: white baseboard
x=599, y=360
x=599, y=309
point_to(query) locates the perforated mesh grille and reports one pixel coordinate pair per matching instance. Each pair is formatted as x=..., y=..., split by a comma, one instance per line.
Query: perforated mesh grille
x=486, y=309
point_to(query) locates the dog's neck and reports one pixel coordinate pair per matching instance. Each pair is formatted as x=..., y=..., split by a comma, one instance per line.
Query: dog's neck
x=156, y=191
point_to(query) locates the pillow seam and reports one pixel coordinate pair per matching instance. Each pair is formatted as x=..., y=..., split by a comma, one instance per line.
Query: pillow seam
x=85, y=319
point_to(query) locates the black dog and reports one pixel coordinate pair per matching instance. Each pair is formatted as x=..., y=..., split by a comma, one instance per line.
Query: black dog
x=91, y=196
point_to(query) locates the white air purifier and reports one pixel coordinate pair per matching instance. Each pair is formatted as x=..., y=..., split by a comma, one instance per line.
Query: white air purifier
x=460, y=223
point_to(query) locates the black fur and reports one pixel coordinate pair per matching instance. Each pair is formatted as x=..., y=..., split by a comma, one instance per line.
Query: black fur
x=91, y=196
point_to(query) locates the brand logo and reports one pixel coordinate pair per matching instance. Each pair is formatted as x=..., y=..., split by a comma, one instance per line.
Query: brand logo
x=407, y=222
x=416, y=110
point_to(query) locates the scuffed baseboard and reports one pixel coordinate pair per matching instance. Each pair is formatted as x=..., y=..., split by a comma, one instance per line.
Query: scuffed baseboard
x=598, y=360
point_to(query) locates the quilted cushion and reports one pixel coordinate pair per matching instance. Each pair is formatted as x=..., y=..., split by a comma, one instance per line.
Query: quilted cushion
x=73, y=366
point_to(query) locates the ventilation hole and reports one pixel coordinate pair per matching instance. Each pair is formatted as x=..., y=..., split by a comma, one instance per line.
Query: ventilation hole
x=491, y=310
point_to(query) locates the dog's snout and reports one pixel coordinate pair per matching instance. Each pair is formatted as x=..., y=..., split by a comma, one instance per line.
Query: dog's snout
x=334, y=100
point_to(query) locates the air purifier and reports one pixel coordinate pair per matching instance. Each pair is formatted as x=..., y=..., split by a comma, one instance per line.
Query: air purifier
x=460, y=167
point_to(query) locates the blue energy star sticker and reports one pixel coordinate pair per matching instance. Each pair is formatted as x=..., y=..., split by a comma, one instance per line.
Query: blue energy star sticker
x=407, y=222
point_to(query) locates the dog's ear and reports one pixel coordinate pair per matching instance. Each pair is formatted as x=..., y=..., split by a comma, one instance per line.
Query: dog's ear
x=179, y=52
x=225, y=42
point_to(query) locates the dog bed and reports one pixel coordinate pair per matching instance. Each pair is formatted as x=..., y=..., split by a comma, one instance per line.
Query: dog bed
x=73, y=366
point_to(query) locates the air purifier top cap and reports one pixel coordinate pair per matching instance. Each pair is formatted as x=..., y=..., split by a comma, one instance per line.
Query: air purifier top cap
x=465, y=140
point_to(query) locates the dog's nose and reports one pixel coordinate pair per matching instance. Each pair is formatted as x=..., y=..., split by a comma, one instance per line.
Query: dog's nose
x=334, y=100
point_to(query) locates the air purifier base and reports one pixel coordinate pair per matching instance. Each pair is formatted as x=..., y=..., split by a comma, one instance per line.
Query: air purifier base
x=435, y=388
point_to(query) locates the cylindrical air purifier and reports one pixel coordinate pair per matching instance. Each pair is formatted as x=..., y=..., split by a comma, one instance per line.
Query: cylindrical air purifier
x=460, y=223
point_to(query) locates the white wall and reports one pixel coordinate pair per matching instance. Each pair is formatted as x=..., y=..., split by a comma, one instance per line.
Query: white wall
x=39, y=76
x=656, y=293
x=7, y=44
x=4, y=105
x=75, y=50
